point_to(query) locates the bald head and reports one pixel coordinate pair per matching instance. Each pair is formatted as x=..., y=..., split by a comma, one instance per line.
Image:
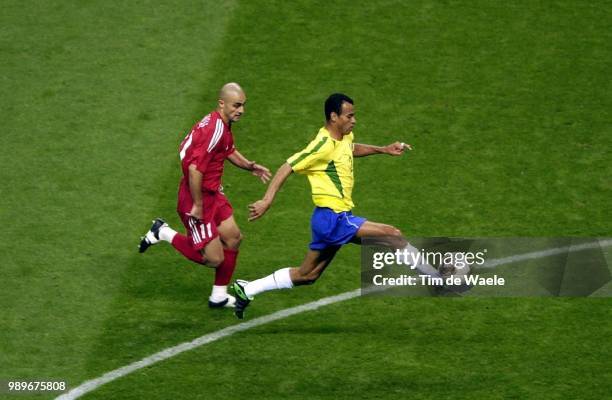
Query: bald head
x=230, y=89
x=231, y=102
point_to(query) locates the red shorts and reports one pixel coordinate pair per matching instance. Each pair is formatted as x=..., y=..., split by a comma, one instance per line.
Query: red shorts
x=216, y=209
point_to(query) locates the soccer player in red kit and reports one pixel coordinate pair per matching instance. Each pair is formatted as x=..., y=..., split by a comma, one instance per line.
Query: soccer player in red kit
x=213, y=237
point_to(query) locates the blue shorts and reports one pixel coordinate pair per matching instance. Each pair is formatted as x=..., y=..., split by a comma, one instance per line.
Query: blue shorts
x=330, y=228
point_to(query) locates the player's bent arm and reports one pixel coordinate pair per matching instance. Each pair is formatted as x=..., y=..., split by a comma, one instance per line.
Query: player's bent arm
x=277, y=182
x=260, y=207
x=394, y=149
x=240, y=161
x=195, y=189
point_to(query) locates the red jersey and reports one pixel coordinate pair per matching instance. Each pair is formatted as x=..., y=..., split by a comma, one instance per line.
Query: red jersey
x=207, y=146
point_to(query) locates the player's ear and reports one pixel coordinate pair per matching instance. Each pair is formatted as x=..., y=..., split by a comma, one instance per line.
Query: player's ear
x=221, y=103
x=333, y=116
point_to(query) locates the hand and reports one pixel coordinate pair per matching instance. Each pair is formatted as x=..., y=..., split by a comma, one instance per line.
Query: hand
x=261, y=172
x=397, y=148
x=196, y=212
x=258, y=209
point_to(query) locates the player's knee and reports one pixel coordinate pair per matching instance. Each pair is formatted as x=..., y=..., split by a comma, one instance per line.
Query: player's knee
x=232, y=241
x=235, y=240
x=309, y=278
x=392, y=231
x=214, y=260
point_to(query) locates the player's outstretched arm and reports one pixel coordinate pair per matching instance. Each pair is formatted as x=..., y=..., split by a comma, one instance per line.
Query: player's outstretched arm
x=241, y=161
x=393, y=149
x=260, y=207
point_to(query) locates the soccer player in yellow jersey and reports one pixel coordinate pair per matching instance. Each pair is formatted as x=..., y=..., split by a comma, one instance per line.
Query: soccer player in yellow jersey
x=328, y=163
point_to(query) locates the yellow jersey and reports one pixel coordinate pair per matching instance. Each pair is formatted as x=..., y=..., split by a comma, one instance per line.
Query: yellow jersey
x=328, y=164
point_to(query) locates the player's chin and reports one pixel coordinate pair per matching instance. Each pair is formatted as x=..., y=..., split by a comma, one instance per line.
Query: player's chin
x=236, y=118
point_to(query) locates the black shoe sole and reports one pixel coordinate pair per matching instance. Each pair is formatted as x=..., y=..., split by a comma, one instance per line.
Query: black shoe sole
x=144, y=245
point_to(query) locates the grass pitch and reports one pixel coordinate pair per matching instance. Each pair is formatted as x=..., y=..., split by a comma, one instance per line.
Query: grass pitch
x=507, y=107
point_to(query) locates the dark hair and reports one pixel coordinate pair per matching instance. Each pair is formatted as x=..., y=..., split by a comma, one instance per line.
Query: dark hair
x=334, y=104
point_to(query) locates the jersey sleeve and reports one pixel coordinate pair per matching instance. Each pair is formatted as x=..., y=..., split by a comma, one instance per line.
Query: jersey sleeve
x=201, y=156
x=230, y=146
x=207, y=144
x=316, y=150
x=351, y=138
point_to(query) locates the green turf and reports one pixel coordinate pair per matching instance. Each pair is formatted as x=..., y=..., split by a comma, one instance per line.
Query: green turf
x=398, y=348
x=100, y=97
x=507, y=106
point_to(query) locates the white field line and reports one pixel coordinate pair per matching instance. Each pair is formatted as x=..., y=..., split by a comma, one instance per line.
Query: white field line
x=93, y=384
x=546, y=253
x=90, y=385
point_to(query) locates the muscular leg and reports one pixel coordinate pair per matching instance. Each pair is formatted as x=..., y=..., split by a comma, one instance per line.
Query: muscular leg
x=307, y=273
x=216, y=256
x=381, y=233
x=231, y=237
x=388, y=235
x=229, y=232
x=313, y=266
x=316, y=261
x=211, y=255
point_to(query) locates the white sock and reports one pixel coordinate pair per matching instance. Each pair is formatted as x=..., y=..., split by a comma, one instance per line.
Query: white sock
x=167, y=234
x=280, y=279
x=219, y=293
x=423, y=267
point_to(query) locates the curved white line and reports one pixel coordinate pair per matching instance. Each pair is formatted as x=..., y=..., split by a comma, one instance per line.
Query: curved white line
x=546, y=253
x=93, y=384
